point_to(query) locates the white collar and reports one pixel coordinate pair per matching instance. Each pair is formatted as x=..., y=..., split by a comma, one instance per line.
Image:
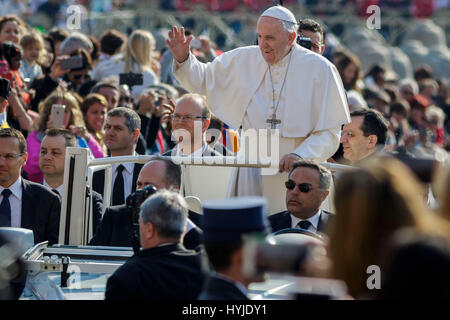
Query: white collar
x=60, y=189
x=283, y=62
x=314, y=220
x=16, y=188
x=197, y=153
x=129, y=166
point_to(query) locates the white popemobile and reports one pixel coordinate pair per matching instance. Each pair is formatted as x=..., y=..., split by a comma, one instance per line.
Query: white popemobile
x=74, y=270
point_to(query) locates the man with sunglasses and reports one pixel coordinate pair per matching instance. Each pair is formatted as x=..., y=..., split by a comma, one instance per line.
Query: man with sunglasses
x=307, y=187
x=190, y=120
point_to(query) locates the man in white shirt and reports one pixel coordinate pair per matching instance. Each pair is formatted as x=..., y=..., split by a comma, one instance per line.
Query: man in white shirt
x=279, y=86
x=190, y=120
x=307, y=187
x=25, y=204
x=121, y=135
x=51, y=162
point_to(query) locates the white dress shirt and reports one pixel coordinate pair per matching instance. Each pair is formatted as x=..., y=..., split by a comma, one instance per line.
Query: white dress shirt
x=197, y=153
x=314, y=221
x=15, y=201
x=127, y=174
x=60, y=189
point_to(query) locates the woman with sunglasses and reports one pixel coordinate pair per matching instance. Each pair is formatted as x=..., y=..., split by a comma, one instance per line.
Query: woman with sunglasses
x=77, y=76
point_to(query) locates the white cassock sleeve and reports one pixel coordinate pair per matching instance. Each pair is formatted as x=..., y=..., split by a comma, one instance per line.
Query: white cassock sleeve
x=320, y=146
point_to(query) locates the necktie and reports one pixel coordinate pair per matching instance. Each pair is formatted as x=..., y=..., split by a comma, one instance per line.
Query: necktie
x=5, y=209
x=57, y=193
x=118, y=190
x=304, y=224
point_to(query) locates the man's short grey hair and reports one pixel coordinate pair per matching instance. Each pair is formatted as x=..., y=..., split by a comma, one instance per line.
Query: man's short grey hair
x=74, y=41
x=167, y=211
x=132, y=119
x=324, y=173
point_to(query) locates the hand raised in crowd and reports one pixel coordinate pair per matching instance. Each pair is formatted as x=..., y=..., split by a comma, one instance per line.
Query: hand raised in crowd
x=167, y=111
x=149, y=104
x=179, y=44
x=80, y=131
x=287, y=162
x=56, y=70
x=206, y=44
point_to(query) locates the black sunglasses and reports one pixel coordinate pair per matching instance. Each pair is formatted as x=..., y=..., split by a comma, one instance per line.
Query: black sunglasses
x=303, y=187
x=79, y=76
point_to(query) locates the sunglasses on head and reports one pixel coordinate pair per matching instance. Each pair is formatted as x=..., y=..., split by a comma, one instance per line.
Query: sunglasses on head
x=303, y=187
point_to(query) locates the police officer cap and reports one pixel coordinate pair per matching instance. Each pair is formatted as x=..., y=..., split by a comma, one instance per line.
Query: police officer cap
x=227, y=220
x=5, y=88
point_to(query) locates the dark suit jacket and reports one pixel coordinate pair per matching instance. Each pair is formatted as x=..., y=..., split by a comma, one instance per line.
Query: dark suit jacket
x=167, y=272
x=98, y=180
x=219, y=289
x=116, y=229
x=209, y=152
x=97, y=210
x=40, y=212
x=282, y=220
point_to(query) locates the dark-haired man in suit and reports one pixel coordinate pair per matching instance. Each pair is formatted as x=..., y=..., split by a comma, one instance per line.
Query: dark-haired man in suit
x=25, y=204
x=306, y=189
x=51, y=162
x=121, y=135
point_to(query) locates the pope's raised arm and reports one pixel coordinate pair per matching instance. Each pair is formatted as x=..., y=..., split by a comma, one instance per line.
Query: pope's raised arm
x=179, y=44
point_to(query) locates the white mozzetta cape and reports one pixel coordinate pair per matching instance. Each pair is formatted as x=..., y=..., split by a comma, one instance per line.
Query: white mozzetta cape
x=315, y=96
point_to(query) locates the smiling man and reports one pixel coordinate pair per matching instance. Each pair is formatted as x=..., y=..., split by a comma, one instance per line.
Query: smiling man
x=365, y=135
x=307, y=187
x=277, y=85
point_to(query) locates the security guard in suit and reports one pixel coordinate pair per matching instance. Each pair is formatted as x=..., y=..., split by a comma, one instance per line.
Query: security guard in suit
x=164, y=269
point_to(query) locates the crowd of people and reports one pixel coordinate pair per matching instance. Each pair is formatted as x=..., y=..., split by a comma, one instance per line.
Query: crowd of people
x=121, y=97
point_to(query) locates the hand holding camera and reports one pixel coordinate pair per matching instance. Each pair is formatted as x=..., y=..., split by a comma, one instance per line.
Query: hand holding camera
x=135, y=200
x=57, y=70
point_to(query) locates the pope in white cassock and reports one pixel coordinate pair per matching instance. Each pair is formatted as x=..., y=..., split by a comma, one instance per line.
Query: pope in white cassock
x=279, y=85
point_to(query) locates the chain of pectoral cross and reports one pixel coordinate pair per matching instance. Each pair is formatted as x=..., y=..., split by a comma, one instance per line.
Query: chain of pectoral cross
x=273, y=119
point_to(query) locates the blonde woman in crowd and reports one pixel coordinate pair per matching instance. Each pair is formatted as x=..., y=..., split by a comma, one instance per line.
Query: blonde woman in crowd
x=137, y=57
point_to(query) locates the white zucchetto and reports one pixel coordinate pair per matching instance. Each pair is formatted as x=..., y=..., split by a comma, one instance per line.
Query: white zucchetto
x=281, y=13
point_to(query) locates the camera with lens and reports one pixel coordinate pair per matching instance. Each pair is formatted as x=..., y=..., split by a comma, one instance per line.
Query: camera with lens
x=305, y=42
x=135, y=200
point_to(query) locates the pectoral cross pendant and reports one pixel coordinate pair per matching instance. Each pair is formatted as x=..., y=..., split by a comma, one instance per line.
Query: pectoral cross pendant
x=273, y=121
